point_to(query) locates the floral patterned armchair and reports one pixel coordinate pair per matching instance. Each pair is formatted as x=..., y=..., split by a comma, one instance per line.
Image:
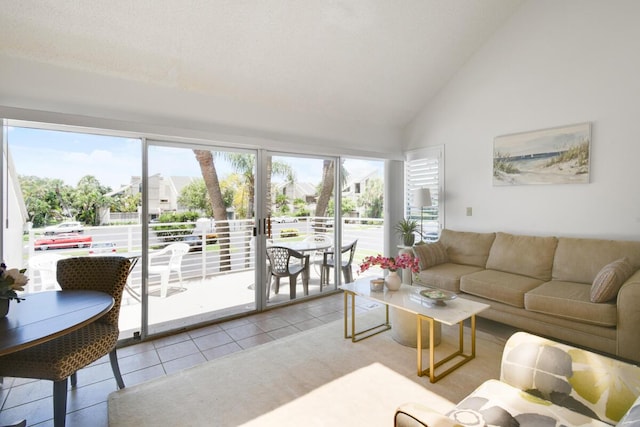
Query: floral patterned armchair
x=545, y=383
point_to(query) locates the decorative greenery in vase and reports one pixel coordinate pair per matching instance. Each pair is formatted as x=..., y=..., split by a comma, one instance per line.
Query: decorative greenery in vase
x=407, y=228
x=11, y=281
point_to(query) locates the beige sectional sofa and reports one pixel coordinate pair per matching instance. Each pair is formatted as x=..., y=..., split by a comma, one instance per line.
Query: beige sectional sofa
x=582, y=291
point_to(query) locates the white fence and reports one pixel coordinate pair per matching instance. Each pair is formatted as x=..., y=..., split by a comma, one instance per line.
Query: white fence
x=221, y=255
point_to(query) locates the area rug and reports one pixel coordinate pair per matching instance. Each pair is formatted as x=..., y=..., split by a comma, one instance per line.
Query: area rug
x=241, y=387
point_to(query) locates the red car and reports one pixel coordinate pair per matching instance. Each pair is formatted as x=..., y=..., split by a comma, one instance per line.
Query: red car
x=62, y=241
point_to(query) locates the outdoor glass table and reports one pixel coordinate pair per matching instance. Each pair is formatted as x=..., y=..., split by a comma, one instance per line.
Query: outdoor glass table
x=303, y=246
x=306, y=246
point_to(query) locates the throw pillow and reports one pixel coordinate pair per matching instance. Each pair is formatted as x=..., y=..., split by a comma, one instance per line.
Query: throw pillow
x=430, y=254
x=608, y=281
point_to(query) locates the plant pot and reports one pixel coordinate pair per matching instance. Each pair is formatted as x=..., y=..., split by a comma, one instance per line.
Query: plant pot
x=393, y=281
x=408, y=239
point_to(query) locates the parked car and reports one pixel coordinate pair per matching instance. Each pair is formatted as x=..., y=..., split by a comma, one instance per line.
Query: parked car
x=64, y=227
x=98, y=248
x=195, y=241
x=62, y=241
x=283, y=219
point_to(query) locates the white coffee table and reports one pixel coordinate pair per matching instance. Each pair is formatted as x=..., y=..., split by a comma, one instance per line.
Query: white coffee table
x=408, y=299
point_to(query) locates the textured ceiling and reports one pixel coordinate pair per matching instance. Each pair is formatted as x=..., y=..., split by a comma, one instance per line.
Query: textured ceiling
x=363, y=61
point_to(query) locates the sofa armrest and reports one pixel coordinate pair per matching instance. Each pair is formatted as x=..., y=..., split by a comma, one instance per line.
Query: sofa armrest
x=417, y=415
x=628, y=339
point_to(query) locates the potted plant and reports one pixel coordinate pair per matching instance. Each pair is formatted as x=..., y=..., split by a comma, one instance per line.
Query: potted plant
x=407, y=228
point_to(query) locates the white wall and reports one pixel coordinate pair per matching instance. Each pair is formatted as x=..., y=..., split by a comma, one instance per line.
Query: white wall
x=37, y=91
x=555, y=62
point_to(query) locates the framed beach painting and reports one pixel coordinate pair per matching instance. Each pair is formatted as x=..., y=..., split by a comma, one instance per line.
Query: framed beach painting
x=548, y=156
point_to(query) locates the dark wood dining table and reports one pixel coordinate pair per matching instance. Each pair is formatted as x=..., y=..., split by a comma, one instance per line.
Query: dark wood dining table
x=45, y=316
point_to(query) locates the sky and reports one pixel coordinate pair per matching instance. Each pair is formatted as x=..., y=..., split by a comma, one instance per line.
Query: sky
x=542, y=141
x=113, y=160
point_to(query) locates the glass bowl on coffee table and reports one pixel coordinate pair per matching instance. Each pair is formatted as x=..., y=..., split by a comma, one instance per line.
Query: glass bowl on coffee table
x=437, y=296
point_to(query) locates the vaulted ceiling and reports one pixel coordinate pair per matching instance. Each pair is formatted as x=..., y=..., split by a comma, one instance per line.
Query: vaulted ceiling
x=360, y=61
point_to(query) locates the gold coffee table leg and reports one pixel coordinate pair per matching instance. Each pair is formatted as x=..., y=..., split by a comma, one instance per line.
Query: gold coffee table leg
x=459, y=353
x=359, y=336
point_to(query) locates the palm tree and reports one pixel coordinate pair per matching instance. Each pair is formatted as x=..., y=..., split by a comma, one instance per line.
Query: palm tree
x=244, y=164
x=89, y=196
x=210, y=176
x=327, y=185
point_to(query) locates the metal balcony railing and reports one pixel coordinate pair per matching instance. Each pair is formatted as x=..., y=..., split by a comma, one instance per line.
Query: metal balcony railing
x=227, y=247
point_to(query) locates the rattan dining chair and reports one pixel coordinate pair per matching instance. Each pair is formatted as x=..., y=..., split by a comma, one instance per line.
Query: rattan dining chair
x=281, y=265
x=62, y=357
x=344, y=262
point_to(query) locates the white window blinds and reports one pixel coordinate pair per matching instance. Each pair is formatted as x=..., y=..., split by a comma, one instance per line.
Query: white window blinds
x=424, y=168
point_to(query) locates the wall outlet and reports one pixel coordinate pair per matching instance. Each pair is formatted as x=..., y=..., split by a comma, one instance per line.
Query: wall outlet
x=469, y=211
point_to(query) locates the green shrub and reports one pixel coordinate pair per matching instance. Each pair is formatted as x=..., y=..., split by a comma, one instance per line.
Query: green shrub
x=289, y=232
x=174, y=232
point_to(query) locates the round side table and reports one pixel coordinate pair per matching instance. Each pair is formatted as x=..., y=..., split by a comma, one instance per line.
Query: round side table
x=404, y=329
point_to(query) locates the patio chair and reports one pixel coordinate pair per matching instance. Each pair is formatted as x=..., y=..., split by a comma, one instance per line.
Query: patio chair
x=346, y=259
x=45, y=267
x=316, y=256
x=62, y=357
x=176, y=251
x=281, y=265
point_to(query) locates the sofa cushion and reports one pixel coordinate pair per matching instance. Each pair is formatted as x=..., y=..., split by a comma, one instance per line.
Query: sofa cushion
x=495, y=403
x=465, y=247
x=430, y=254
x=445, y=276
x=499, y=286
x=580, y=260
x=570, y=300
x=526, y=255
x=607, y=283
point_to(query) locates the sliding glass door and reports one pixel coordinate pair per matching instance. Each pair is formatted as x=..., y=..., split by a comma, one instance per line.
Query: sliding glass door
x=200, y=235
x=306, y=216
x=300, y=232
x=194, y=219
x=69, y=193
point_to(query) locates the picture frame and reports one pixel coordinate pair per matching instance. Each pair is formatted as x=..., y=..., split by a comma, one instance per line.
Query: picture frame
x=559, y=155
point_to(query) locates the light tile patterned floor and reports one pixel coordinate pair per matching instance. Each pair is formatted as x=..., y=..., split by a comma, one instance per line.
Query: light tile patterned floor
x=87, y=404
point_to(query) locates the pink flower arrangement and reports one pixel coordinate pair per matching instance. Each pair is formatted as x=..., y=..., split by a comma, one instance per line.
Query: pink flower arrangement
x=390, y=263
